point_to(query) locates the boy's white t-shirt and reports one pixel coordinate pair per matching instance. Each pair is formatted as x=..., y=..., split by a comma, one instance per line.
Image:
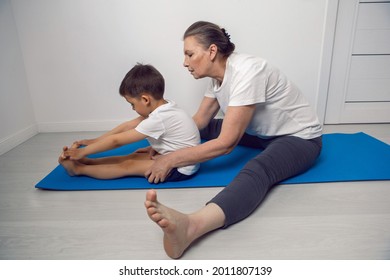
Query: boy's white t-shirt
x=169, y=128
x=281, y=109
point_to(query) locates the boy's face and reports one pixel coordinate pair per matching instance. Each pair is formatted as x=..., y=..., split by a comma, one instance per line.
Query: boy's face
x=140, y=104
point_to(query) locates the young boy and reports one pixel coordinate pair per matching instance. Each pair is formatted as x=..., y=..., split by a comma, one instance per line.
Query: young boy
x=166, y=127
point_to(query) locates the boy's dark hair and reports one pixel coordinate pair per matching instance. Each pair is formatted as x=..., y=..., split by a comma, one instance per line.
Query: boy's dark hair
x=143, y=79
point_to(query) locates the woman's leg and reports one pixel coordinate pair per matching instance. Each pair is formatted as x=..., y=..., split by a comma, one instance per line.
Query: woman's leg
x=284, y=157
x=213, y=130
x=180, y=230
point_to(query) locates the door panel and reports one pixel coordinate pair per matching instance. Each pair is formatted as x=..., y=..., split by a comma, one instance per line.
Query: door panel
x=359, y=87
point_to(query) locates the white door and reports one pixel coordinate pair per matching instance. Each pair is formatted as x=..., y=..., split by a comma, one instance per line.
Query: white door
x=359, y=86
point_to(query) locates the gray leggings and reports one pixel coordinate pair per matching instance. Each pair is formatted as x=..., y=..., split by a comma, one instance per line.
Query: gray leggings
x=281, y=157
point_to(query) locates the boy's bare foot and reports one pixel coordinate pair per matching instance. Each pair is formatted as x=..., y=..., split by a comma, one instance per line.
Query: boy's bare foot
x=175, y=225
x=62, y=156
x=69, y=165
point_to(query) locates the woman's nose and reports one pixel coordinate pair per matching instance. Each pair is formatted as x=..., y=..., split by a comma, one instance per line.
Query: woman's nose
x=185, y=63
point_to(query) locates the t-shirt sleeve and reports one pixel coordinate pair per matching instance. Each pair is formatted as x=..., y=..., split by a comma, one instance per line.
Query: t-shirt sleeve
x=152, y=127
x=248, y=85
x=209, y=90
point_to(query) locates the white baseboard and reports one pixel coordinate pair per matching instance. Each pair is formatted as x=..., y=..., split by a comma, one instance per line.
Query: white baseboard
x=10, y=142
x=78, y=126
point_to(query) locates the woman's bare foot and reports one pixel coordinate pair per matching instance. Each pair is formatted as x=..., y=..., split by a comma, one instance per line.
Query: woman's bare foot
x=175, y=225
x=180, y=230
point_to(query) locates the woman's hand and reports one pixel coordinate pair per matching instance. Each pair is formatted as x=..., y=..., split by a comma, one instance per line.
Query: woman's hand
x=159, y=169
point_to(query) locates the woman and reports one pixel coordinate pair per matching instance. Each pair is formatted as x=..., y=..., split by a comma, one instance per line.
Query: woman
x=262, y=109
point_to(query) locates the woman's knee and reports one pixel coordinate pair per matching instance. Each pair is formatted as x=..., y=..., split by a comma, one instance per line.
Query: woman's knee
x=212, y=130
x=289, y=156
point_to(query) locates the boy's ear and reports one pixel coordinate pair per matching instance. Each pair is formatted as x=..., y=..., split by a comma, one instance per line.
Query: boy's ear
x=146, y=99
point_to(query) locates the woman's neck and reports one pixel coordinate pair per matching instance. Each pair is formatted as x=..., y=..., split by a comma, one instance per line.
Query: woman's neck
x=219, y=68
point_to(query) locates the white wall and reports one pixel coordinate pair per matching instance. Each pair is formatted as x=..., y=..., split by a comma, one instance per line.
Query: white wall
x=76, y=52
x=17, y=120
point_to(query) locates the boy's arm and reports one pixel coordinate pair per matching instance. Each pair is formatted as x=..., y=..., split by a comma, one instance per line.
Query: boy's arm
x=107, y=143
x=118, y=129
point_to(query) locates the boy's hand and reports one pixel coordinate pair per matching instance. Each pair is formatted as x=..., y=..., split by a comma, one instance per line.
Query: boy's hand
x=72, y=153
x=65, y=148
x=148, y=150
x=85, y=142
x=75, y=145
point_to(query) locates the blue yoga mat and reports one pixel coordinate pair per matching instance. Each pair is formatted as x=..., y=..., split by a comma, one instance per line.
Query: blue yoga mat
x=345, y=157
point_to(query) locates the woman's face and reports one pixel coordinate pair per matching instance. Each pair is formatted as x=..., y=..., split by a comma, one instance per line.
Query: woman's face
x=197, y=59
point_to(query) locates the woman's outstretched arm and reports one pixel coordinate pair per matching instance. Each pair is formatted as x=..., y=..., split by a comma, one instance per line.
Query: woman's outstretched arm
x=236, y=120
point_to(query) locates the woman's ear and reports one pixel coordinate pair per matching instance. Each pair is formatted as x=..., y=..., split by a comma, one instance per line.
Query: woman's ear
x=213, y=50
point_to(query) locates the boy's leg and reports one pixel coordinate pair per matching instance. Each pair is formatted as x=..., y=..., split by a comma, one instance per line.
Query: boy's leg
x=124, y=168
x=115, y=159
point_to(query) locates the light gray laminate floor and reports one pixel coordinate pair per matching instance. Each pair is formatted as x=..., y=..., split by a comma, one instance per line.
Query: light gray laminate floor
x=348, y=220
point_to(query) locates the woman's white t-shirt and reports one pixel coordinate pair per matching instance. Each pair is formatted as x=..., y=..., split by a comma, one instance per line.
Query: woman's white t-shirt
x=281, y=109
x=169, y=128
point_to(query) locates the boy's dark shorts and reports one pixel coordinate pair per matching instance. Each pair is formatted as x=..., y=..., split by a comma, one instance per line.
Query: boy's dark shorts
x=176, y=176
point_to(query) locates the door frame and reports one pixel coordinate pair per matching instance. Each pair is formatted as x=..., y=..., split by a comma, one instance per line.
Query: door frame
x=336, y=109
